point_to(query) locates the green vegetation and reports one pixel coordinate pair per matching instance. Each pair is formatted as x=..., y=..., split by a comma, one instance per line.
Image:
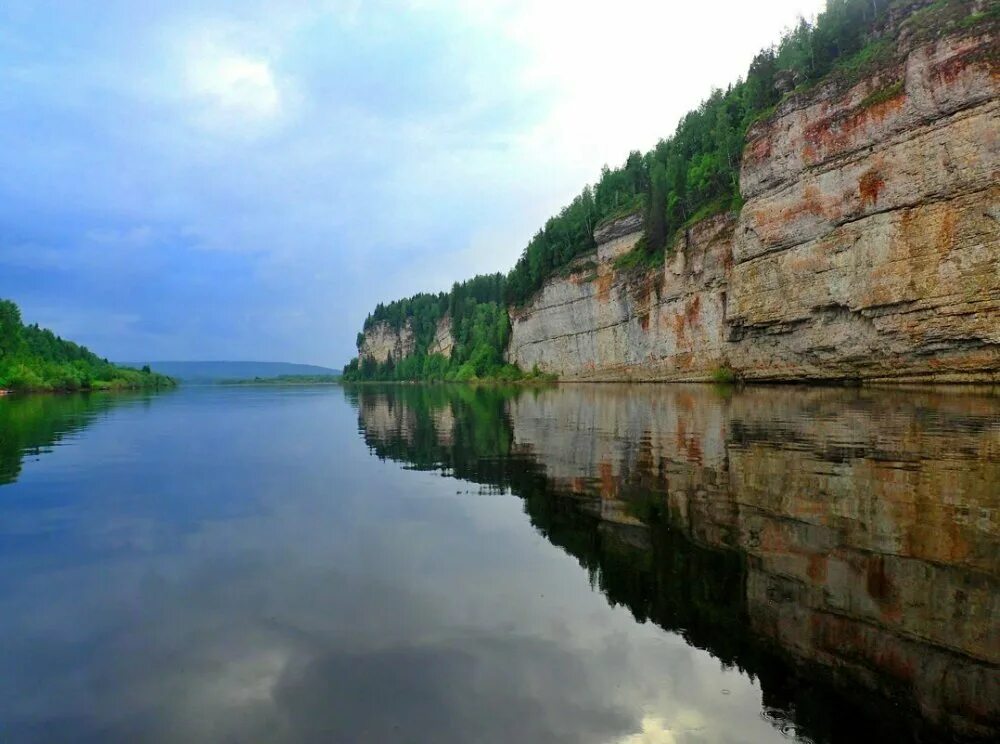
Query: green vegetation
x=639, y=258
x=695, y=173
x=35, y=359
x=578, y=267
x=870, y=57
x=690, y=176
x=990, y=14
x=882, y=95
x=438, y=368
x=724, y=376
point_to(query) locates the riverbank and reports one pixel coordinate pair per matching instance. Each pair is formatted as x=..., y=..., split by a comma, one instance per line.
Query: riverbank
x=26, y=391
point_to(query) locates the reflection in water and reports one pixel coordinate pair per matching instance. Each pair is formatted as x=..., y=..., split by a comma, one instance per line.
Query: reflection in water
x=222, y=564
x=842, y=546
x=31, y=425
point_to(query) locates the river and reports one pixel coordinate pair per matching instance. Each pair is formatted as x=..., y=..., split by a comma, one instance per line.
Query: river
x=642, y=564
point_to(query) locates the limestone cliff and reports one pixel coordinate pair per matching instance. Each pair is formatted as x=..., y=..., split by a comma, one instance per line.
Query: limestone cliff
x=600, y=323
x=868, y=246
x=382, y=340
x=443, y=342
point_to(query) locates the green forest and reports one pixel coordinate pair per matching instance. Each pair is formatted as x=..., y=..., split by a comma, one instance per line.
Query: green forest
x=35, y=359
x=687, y=177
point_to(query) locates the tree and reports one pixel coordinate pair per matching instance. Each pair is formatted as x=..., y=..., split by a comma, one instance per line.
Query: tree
x=10, y=328
x=656, y=212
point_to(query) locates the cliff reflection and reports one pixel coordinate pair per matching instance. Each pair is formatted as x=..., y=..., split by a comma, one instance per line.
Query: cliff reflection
x=840, y=545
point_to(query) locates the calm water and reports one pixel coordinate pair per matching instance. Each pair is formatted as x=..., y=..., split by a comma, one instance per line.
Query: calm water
x=636, y=565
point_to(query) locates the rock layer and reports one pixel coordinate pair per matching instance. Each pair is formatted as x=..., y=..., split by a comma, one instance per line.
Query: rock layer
x=868, y=246
x=610, y=324
x=443, y=342
x=382, y=341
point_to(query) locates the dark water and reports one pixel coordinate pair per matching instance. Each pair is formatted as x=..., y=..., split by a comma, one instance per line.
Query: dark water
x=636, y=565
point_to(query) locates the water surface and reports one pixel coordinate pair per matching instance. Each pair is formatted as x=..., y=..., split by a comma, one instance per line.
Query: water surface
x=594, y=563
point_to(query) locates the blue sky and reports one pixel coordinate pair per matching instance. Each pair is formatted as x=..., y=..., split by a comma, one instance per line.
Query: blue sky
x=245, y=180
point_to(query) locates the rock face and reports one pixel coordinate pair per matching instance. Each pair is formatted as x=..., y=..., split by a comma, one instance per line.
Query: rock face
x=868, y=246
x=443, y=342
x=606, y=324
x=382, y=340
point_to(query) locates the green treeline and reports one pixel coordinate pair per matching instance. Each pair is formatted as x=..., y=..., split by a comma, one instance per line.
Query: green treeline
x=685, y=178
x=35, y=359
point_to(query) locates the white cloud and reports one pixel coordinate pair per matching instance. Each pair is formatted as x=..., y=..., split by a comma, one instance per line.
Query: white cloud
x=234, y=91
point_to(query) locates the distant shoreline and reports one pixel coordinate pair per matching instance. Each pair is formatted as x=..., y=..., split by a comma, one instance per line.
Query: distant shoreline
x=283, y=381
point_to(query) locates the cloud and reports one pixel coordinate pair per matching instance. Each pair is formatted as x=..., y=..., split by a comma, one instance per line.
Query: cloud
x=232, y=88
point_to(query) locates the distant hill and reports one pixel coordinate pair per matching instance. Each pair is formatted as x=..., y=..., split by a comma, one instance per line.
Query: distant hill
x=218, y=371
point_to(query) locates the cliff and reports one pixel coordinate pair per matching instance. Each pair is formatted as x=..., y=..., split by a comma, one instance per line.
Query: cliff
x=602, y=323
x=382, y=341
x=868, y=246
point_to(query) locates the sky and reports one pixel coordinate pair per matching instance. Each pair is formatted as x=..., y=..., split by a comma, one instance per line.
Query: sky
x=245, y=180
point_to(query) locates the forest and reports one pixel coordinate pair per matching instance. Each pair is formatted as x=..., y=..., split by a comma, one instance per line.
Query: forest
x=685, y=178
x=35, y=359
